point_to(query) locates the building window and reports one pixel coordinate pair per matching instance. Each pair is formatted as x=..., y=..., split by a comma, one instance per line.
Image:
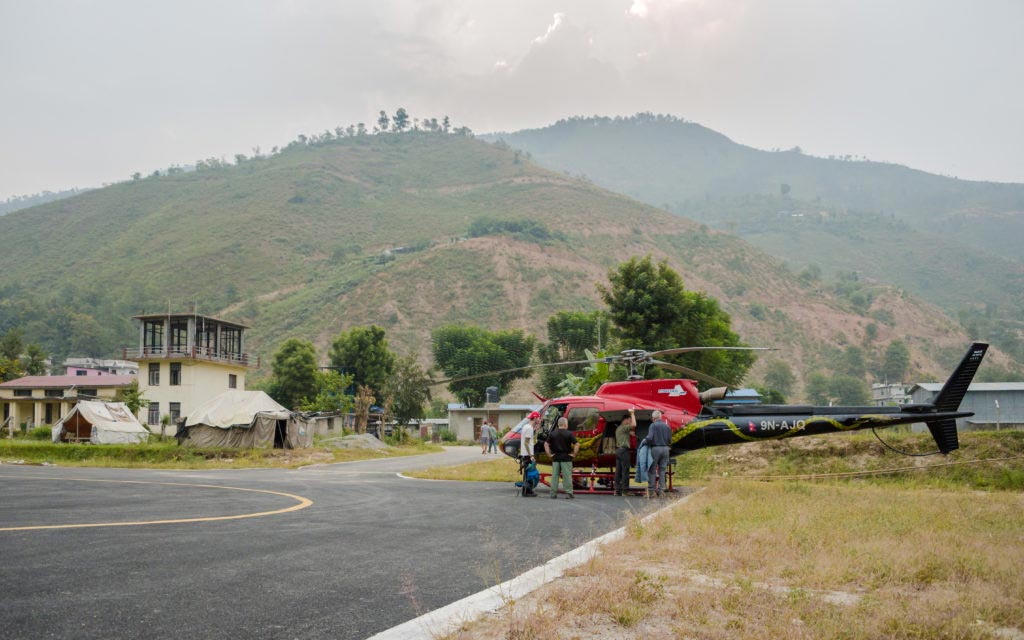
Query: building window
x=206, y=337
x=81, y=372
x=153, y=336
x=175, y=411
x=87, y=394
x=22, y=393
x=154, y=413
x=179, y=336
x=54, y=393
x=175, y=374
x=231, y=343
x=154, y=374
x=232, y=381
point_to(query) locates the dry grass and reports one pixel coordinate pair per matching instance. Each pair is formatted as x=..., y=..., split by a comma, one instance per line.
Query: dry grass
x=756, y=560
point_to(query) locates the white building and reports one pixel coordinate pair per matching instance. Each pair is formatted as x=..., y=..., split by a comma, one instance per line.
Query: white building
x=889, y=395
x=185, y=360
x=465, y=421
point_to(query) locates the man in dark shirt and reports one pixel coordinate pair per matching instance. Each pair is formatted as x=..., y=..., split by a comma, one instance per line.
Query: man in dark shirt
x=622, y=453
x=659, y=437
x=562, y=446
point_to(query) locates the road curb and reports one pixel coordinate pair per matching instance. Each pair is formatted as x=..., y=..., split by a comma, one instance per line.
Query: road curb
x=447, y=619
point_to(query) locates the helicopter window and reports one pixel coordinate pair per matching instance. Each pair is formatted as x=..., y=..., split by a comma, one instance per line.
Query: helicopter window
x=552, y=415
x=583, y=418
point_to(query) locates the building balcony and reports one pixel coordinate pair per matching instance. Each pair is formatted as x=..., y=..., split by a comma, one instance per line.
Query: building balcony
x=205, y=354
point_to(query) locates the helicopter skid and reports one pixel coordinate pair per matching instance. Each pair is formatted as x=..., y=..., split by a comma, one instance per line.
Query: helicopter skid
x=600, y=482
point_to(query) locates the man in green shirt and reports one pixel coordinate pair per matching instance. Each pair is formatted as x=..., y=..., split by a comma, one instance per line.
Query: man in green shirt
x=623, y=433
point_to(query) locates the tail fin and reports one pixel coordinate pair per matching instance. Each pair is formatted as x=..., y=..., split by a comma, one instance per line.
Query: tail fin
x=952, y=394
x=944, y=433
x=953, y=391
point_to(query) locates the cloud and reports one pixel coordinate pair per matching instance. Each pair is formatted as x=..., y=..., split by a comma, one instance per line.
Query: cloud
x=553, y=27
x=638, y=9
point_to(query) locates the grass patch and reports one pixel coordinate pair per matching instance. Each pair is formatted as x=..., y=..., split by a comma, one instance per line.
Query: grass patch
x=986, y=461
x=167, y=455
x=501, y=469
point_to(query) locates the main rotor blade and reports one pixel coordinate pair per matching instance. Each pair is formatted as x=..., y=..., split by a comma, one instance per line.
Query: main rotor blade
x=668, y=352
x=608, y=360
x=696, y=374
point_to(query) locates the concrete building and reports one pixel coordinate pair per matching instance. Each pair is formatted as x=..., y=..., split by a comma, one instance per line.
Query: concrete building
x=37, y=400
x=993, y=403
x=889, y=395
x=465, y=421
x=185, y=360
x=97, y=367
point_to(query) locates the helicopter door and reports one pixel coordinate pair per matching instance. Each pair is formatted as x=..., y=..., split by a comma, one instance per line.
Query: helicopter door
x=550, y=417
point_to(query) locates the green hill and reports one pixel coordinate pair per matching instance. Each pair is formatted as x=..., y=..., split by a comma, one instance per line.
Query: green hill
x=954, y=242
x=333, y=234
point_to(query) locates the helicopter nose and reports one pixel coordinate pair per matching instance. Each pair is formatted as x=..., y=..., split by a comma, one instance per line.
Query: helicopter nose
x=511, y=448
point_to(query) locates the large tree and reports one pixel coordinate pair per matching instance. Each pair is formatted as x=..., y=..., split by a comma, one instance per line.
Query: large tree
x=34, y=360
x=363, y=352
x=650, y=309
x=570, y=335
x=330, y=393
x=409, y=388
x=849, y=390
x=295, y=373
x=471, y=351
x=779, y=376
x=11, y=346
x=897, y=361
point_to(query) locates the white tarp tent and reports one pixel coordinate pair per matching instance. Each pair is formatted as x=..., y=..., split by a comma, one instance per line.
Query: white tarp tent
x=100, y=423
x=245, y=419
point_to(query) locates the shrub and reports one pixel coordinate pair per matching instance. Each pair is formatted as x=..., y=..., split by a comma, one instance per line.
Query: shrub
x=41, y=433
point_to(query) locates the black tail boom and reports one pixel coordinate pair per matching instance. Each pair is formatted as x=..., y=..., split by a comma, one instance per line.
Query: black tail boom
x=746, y=423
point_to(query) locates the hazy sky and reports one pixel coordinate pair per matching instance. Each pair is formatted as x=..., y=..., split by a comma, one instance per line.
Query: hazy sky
x=92, y=91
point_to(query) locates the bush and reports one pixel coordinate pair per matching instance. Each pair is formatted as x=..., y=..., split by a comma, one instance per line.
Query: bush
x=41, y=433
x=448, y=436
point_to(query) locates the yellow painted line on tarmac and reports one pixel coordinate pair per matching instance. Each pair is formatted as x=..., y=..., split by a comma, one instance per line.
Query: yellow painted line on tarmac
x=302, y=503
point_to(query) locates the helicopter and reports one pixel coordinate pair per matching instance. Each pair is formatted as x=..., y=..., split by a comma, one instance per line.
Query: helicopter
x=696, y=423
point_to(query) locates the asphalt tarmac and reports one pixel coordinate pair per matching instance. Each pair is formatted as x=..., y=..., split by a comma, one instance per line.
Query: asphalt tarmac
x=340, y=551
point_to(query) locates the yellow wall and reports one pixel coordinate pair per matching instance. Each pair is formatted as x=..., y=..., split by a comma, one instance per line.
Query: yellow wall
x=200, y=381
x=22, y=408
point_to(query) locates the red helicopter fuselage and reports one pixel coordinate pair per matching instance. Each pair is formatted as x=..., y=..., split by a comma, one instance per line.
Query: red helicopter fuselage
x=677, y=399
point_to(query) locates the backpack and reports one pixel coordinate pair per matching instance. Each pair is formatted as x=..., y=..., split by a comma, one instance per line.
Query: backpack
x=532, y=475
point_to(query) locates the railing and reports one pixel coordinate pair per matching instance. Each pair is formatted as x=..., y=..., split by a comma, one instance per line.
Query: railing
x=195, y=353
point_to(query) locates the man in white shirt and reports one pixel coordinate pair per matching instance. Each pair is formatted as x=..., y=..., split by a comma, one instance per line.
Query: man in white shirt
x=527, y=441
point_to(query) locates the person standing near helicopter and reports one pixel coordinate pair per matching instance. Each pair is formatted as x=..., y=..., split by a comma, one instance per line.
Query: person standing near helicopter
x=562, y=446
x=527, y=440
x=659, y=437
x=623, y=432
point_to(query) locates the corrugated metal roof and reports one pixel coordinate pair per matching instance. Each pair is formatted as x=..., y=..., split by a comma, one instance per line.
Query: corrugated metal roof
x=63, y=382
x=501, y=407
x=976, y=386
